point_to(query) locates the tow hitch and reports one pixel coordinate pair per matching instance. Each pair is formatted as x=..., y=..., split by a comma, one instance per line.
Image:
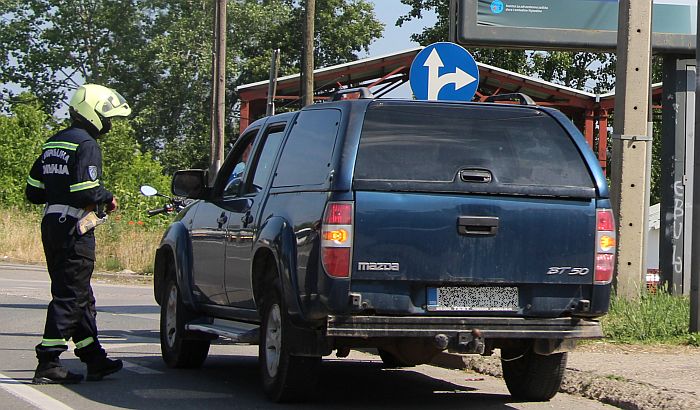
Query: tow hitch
x=465, y=343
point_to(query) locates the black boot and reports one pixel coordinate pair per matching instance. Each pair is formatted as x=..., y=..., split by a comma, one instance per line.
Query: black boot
x=98, y=365
x=54, y=373
x=101, y=367
x=50, y=370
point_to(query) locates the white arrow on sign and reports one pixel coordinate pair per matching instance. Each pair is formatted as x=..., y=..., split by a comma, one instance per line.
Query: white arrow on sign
x=436, y=81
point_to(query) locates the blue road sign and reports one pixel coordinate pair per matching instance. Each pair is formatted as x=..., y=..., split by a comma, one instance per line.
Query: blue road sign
x=444, y=71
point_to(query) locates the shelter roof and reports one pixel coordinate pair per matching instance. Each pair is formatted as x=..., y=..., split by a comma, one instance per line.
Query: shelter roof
x=385, y=73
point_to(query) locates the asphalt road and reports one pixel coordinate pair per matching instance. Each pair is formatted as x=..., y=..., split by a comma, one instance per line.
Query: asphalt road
x=128, y=322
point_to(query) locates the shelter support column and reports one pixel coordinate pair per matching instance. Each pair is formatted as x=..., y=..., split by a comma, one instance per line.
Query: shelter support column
x=589, y=126
x=245, y=116
x=603, y=139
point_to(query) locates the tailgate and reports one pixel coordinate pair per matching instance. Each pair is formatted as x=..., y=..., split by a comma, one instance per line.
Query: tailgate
x=459, y=239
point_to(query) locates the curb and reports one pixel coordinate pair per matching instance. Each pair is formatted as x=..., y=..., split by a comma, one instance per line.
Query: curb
x=41, y=267
x=608, y=389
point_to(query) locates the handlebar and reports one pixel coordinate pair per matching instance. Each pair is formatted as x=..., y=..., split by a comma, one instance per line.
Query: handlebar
x=176, y=206
x=154, y=212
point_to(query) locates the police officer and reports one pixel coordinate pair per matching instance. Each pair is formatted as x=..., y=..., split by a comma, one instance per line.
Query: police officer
x=66, y=177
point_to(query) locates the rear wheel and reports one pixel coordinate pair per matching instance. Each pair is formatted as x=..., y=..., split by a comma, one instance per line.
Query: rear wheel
x=285, y=377
x=531, y=376
x=176, y=349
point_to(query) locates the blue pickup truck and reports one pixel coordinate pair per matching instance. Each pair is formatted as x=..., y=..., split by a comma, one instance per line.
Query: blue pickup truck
x=409, y=227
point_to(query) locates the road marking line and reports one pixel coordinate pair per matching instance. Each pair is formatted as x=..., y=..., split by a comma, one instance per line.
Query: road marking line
x=25, y=280
x=153, y=316
x=133, y=367
x=113, y=346
x=30, y=395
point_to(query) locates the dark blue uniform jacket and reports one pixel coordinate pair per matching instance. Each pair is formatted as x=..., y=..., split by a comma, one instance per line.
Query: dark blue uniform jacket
x=68, y=171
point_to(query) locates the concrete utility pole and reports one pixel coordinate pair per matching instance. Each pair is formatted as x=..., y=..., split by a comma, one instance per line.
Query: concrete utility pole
x=632, y=144
x=307, y=65
x=218, y=89
x=695, y=241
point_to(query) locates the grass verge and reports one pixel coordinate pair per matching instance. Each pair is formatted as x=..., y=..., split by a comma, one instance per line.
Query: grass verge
x=654, y=317
x=121, y=244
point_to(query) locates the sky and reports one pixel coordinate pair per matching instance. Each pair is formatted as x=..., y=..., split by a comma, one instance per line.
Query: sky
x=396, y=38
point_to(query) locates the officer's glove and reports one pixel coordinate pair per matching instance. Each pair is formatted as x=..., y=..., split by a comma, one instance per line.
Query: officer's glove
x=112, y=206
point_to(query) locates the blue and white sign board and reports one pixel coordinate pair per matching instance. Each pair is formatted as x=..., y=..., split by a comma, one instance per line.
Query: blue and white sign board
x=444, y=71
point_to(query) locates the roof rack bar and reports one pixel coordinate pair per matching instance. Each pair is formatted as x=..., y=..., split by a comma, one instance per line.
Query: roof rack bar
x=521, y=98
x=364, y=92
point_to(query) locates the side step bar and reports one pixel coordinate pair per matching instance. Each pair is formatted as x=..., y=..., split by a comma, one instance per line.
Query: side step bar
x=235, y=332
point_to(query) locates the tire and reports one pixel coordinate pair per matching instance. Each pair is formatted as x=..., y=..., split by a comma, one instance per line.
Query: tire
x=176, y=349
x=391, y=361
x=530, y=376
x=285, y=378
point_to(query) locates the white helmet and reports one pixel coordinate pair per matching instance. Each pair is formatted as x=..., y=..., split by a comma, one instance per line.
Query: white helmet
x=97, y=104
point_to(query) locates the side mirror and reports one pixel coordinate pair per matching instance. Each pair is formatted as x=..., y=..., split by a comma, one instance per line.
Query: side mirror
x=148, y=190
x=190, y=183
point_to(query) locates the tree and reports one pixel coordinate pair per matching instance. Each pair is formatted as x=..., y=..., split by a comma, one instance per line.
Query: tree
x=50, y=46
x=582, y=70
x=21, y=136
x=157, y=53
x=126, y=168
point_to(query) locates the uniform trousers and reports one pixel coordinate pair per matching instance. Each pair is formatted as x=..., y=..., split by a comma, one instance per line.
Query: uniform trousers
x=71, y=314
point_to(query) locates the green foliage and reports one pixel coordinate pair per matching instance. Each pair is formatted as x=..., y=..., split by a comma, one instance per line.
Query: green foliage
x=21, y=136
x=653, y=317
x=694, y=339
x=593, y=71
x=126, y=168
x=158, y=54
x=54, y=44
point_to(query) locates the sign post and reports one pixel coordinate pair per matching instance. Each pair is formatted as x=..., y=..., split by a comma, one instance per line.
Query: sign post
x=632, y=144
x=695, y=256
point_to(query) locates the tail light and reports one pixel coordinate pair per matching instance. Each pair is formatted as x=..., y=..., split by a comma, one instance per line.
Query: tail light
x=605, y=245
x=336, y=239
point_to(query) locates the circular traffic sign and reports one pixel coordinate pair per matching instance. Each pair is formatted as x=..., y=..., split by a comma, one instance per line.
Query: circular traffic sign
x=444, y=71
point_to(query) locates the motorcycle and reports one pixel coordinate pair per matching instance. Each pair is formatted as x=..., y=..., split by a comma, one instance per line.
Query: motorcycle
x=174, y=204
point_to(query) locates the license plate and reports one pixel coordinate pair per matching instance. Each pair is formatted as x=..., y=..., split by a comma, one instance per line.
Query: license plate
x=473, y=298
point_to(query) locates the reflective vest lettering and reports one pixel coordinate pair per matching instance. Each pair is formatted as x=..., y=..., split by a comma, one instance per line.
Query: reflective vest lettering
x=60, y=169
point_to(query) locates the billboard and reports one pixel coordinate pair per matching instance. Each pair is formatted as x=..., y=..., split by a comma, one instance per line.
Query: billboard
x=569, y=24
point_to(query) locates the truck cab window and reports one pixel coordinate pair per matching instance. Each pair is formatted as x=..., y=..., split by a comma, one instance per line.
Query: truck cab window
x=236, y=177
x=265, y=160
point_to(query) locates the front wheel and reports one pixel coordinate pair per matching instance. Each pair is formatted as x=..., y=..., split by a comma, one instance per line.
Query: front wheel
x=285, y=377
x=176, y=349
x=531, y=376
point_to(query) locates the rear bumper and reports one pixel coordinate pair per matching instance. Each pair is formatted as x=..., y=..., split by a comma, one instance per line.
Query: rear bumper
x=489, y=327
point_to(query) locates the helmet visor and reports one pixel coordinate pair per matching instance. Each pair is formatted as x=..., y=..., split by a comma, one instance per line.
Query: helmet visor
x=114, y=106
